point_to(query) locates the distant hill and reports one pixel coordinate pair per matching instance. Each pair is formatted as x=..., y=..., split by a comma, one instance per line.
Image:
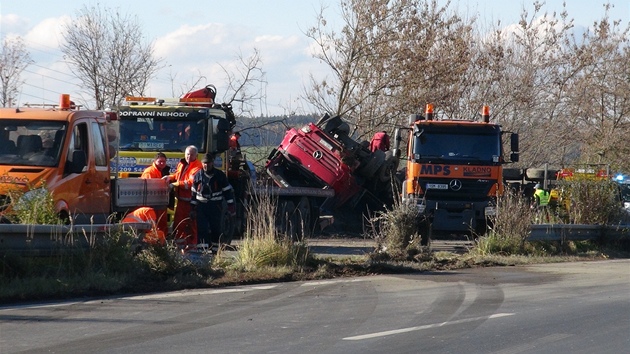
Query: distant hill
x=268, y=131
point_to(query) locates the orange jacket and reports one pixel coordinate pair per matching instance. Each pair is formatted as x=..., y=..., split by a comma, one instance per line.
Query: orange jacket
x=184, y=177
x=233, y=143
x=151, y=172
x=146, y=214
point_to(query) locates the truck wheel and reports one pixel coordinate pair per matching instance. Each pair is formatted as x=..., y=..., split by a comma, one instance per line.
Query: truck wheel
x=286, y=219
x=538, y=174
x=303, y=210
x=376, y=161
x=426, y=230
x=389, y=167
x=512, y=174
x=229, y=228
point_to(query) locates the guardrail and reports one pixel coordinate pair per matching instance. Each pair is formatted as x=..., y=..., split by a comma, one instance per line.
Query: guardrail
x=47, y=239
x=574, y=232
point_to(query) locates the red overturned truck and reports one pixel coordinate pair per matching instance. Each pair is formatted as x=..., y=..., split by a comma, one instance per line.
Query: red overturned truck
x=323, y=174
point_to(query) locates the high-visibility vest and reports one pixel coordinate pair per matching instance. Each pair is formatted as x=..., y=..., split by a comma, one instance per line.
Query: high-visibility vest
x=543, y=197
x=146, y=214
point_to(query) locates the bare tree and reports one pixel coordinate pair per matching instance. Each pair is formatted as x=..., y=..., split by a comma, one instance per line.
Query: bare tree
x=389, y=59
x=13, y=60
x=246, y=85
x=600, y=94
x=105, y=50
x=567, y=95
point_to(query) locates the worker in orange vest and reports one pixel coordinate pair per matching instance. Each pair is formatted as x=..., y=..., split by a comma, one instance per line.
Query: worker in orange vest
x=181, y=181
x=233, y=143
x=154, y=236
x=158, y=169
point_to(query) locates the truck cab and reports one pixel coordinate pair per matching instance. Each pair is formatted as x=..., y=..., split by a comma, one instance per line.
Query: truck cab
x=454, y=171
x=149, y=125
x=67, y=151
x=62, y=149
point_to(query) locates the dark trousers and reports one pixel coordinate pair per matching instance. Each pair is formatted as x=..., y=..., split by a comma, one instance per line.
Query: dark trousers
x=209, y=225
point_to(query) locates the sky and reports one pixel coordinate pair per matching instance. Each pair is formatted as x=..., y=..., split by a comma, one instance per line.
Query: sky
x=196, y=38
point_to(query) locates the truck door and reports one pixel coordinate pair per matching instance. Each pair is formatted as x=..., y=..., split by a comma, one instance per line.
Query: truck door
x=91, y=202
x=101, y=195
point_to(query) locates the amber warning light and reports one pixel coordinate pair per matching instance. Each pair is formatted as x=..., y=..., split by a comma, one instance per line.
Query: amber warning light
x=429, y=111
x=64, y=101
x=485, y=114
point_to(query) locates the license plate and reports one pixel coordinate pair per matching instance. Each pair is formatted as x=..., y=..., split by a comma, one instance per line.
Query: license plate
x=437, y=186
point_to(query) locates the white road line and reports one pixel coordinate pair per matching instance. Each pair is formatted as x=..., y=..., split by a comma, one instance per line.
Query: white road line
x=199, y=292
x=429, y=326
x=326, y=282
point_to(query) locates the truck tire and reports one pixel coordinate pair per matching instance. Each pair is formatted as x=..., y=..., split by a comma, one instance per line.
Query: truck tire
x=425, y=230
x=287, y=220
x=229, y=228
x=389, y=167
x=303, y=209
x=371, y=167
x=512, y=174
x=538, y=174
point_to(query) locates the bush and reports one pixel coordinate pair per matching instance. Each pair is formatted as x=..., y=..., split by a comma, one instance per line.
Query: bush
x=508, y=228
x=263, y=246
x=589, y=201
x=395, y=231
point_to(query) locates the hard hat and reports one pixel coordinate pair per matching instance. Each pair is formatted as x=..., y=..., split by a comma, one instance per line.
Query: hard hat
x=537, y=186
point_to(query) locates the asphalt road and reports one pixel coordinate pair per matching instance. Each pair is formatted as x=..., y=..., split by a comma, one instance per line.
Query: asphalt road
x=581, y=307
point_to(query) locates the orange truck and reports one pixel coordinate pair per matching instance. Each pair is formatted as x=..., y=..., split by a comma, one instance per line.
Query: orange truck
x=68, y=151
x=454, y=171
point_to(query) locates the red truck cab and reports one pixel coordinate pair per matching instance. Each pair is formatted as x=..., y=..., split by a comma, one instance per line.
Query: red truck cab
x=308, y=157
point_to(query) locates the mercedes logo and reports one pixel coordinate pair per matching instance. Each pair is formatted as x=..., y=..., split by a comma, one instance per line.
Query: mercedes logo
x=318, y=155
x=455, y=185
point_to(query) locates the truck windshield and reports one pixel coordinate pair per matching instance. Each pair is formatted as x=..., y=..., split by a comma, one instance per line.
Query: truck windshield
x=162, y=134
x=31, y=143
x=470, y=145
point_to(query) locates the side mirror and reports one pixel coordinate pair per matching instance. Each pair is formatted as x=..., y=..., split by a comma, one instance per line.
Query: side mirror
x=397, y=139
x=223, y=135
x=514, y=142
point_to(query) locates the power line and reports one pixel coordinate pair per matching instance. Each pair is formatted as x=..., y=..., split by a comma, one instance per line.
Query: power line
x=52, y=78
x=48, y=68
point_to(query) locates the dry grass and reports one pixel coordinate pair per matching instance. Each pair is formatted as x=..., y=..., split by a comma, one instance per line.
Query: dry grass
x=263, y=245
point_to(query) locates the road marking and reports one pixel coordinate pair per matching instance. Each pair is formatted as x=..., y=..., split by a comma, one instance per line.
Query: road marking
x=326, y=282
x=199, y=292
x=429, y=326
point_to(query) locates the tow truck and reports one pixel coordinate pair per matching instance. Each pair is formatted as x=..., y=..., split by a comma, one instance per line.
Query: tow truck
x=454, y=171
x=68, y=151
